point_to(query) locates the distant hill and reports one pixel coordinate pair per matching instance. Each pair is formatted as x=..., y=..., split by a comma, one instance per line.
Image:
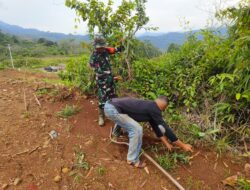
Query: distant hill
x=162, y=41
x=158, y=39
x=34, y=33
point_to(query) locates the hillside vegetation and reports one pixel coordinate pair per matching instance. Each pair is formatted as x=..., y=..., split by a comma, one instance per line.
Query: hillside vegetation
x=207, y=80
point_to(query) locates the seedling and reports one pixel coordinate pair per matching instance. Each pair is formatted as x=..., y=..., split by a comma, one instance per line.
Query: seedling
x=101, y=170
x=80, y=160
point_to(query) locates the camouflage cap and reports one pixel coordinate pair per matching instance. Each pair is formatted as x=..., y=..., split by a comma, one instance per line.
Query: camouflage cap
x=99, y=41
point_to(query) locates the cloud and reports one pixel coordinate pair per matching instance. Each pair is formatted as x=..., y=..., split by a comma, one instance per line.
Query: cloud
x=53, y=15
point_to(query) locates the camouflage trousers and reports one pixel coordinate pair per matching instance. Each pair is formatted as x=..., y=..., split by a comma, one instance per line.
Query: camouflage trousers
x=106, y=89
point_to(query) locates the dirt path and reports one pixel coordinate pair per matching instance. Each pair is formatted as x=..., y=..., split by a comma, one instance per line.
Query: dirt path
x=28, y=153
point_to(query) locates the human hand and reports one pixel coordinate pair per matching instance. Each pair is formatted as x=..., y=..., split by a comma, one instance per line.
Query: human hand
x=169, y=147
x=187, y=148
x=117, y=78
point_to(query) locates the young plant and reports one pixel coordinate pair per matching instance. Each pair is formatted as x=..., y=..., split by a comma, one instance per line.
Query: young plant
x=68, y=111
x=101, y=170
x=80, y=162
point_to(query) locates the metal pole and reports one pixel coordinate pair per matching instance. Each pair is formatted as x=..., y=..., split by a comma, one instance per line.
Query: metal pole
x=11, y=59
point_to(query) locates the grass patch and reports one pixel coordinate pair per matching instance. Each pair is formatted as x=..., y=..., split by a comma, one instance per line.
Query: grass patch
x=166, y=161
x=68, y=111
x=169, y=161
x=192, y=183
x=243, y=184
x=222, y=145
x=42, y=91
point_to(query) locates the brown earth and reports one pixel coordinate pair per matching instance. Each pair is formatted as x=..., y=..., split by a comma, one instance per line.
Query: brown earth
x=28, y=153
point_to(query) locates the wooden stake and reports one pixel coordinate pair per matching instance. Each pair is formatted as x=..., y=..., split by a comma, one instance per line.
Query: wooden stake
x=24, y=99
x=37, y=101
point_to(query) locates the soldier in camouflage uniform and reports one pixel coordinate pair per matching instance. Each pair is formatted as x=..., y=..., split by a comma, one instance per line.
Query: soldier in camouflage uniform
x=100, y=62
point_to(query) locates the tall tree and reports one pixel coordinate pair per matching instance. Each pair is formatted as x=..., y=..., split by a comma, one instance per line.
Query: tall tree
x=115, y=24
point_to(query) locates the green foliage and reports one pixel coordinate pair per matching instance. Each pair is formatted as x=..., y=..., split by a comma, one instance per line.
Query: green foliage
x=37, y=48
x=213, y=71
x=169, y=161
x=127, y=19
x=166, y=162
x=243, y=184
x=173, y=47
x=68, y=111
x=35, y=63
x=144, y=49
x=79, y=74
x=114, y=24
x=222, y=145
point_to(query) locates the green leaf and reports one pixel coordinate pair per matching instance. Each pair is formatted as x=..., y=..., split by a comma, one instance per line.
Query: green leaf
x=201, y=134
x=237, y=96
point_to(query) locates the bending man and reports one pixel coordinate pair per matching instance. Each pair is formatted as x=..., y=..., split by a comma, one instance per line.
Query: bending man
x=127, y=112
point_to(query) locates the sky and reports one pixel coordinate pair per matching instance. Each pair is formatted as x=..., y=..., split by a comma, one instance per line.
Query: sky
x=167, y=15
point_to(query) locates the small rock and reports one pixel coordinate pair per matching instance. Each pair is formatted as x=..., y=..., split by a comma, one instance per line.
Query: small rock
x=247, y=169
x=17, y=181
x=57, y=179
x=53, y=134
x=65, y=170
x=5, y=186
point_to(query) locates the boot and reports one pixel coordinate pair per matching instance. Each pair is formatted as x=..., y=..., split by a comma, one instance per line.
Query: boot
x=101, y=117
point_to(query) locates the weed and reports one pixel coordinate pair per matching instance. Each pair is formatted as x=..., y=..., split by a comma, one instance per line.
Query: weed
x=26, y=114
x=42, y=91
x=222, y=145
x=101, y=170
x=68, y=111
x=77, y=178
x=169, y=161
x=166, y=161
x=196, y=184
x=181, y=157
x=80, y=159
x=243, y=184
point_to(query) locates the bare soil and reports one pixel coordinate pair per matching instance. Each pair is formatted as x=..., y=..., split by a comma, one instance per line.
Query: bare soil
x=27, y=152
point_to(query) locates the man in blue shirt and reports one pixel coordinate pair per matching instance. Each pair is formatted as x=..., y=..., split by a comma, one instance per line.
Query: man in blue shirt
x=127, y=112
